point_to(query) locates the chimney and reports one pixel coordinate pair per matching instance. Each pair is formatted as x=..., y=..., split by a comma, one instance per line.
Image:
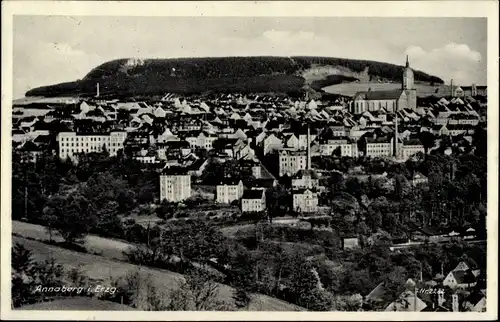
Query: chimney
x=451, y=88
x=308, y=147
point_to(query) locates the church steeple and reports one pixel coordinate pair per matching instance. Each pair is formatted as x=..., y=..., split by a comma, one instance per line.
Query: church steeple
x=408, y=78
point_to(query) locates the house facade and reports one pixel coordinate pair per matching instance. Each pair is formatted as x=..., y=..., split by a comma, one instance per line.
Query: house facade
x=290, y=162
x=71, y=143
x=229, y=190
x=175, y=186
x=253, y=200
x=305, y=201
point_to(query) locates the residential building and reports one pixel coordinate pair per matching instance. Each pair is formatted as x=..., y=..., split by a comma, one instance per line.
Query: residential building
x=175, y=185
x=305, y=201
x=305, y=179
x=410, y=147
x=71, y=143
x=406, y=302
x=271, y=143
x=290, y=162
x=253, y=200
x=350, y=242
x=462, y=278
x=340, y=146
x=475, y=90
x=229, y=190
x=475, y=302
x=419, y=178
x=463, y=119
x=381, y=147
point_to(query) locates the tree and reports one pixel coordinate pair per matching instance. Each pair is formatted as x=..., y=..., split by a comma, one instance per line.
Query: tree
x=277, y=201
x=137, y=290
x=73, y=216
x=337, y=152
x=77, y=277
x=304, y=287
x=241, y=298
x=351, y=303
x=166, y=209
x=428, y=140
x=49, y=274
x=28, y=276
x=23, y=272
x=197, y=292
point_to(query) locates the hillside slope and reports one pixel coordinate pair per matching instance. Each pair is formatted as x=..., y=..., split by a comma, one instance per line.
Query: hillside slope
x=110, y=264
x=130, y=77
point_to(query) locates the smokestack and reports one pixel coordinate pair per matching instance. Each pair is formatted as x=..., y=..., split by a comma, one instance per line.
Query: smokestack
x=451, y=88
x=308, y=147
x=396, y=134
x=97, y=88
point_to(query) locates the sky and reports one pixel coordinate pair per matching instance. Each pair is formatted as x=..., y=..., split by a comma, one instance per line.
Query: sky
x=54, y=49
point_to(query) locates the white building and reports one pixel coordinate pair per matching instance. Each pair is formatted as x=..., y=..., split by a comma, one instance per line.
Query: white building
x=305, y=201
x=290, y=162
x=175, y=185
x=71, y=143
x=408, y=148
x=344, y=146
x=253, y=201
x=305, y=179
x=229, y=190
x=379, y=147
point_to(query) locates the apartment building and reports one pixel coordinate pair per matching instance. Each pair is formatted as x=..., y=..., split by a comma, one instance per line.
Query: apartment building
x=407, y=148
x=253, y=200
x=379, y=147
x=71, y=143
x=305, y=179
x=229, y=190
x=344, y=147
x=305, y=201
x=175, y=185
x=290, y=162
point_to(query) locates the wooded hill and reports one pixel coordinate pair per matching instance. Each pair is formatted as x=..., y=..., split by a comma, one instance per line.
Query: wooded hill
x=132, y=77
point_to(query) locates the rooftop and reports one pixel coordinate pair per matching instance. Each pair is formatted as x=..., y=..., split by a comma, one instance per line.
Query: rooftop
x=253, y=194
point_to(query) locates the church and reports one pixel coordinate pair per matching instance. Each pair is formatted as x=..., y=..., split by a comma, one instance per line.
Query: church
x=390, y=101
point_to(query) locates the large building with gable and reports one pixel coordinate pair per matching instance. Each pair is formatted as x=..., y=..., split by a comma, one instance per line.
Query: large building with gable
x=390, y=101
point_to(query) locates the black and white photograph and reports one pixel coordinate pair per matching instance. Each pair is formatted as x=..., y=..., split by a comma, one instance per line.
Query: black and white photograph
x=231, y=162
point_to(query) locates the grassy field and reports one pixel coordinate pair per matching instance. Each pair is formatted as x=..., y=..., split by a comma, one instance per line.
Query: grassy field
x=350, y=89
x=106, y=247
x=103, y=268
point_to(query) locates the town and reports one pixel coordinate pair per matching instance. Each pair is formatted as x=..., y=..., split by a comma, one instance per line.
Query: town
x=368, y=202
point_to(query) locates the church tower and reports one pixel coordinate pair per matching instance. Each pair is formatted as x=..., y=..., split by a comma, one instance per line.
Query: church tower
x=408, y=86
x=408, y=77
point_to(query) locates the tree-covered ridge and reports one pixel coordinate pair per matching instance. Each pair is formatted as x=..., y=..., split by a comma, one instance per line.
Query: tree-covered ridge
x=222, y=74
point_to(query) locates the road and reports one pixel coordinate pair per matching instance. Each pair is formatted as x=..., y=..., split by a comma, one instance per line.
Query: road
x=408, y=245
